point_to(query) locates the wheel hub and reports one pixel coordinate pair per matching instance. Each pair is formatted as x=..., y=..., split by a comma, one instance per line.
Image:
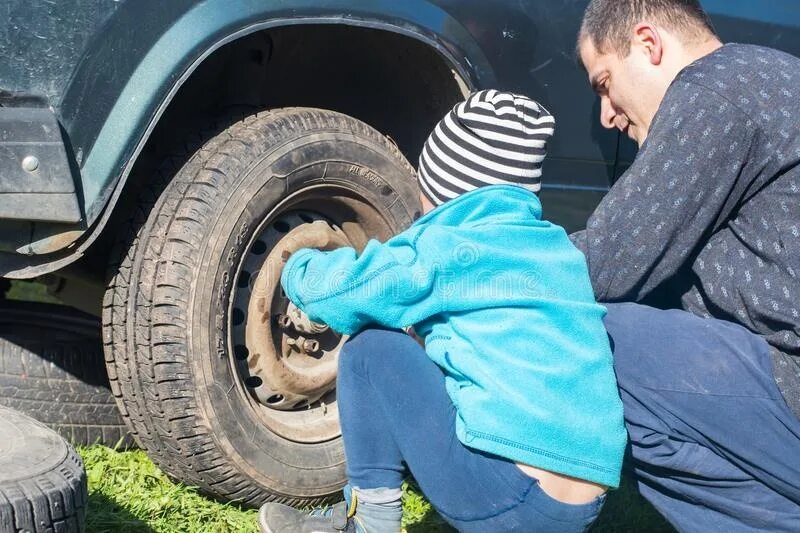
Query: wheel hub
x=305, y=368
x=288, y=363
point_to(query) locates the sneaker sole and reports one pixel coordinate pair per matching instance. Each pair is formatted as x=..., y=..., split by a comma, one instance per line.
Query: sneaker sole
x=262, y=522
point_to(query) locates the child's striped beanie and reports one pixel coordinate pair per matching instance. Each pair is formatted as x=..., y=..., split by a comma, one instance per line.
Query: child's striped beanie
x=492, y=138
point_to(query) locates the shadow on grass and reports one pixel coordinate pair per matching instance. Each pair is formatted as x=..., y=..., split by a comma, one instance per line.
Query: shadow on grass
x=107, y=516
x=625, y=511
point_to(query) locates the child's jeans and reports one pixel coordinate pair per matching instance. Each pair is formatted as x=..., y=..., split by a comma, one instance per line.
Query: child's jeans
x=395, y=411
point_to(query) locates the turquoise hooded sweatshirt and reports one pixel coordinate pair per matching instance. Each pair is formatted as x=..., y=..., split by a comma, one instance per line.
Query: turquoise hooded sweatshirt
x=505, y=305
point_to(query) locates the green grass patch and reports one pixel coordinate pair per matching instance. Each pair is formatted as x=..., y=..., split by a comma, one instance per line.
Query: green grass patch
x=128, y=493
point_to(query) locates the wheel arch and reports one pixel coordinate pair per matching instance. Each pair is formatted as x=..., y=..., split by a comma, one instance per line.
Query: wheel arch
x=119, y=147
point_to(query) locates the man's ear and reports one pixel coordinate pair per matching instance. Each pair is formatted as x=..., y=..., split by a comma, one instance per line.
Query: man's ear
x=647, y=38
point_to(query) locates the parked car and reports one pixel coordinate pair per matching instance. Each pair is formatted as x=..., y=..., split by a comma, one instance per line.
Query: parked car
x=160, y=159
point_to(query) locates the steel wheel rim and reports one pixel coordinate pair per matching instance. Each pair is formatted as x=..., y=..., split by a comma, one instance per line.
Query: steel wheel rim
x=318, y=420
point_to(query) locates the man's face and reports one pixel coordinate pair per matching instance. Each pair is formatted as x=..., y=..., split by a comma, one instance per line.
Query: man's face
x=630, y=88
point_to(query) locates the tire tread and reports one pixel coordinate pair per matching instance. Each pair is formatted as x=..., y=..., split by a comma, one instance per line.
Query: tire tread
x=55, y=500
x=148, y=276
x=62, y=382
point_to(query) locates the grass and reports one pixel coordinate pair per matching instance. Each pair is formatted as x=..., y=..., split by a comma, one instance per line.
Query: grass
x=128, y=493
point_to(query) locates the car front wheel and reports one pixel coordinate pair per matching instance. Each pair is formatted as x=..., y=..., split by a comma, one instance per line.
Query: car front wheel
x=220, y=379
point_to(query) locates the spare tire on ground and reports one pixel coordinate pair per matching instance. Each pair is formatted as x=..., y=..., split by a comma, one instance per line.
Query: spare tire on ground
x=52, y=369
x=42, y=480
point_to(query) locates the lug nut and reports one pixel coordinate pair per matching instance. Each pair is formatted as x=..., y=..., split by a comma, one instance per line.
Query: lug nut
x=303, y=344
x=284, y=321
x=302, y=323
x=310, y=346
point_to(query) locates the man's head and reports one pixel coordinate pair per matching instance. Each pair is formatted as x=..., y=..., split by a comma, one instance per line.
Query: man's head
x=492, y=138
x=634, y=49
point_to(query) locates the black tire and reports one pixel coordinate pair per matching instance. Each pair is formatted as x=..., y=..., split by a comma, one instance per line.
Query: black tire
x=52, y=369
x=42, y=480
x=167, y=316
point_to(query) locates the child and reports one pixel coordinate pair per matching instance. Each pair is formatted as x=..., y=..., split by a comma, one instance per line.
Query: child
x=504, y=304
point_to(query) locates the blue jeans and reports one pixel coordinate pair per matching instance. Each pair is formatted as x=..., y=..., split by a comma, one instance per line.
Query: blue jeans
x=714, y=447
x=395, y=413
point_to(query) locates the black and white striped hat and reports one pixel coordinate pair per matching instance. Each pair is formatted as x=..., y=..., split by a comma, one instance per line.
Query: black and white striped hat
x=492, y=138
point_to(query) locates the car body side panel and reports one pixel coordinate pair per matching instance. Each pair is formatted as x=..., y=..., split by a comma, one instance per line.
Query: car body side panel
x=140, y=50
x=138, y=59
x=109, y=68
x=116, y=93
x=531, y=46
x=42, y=42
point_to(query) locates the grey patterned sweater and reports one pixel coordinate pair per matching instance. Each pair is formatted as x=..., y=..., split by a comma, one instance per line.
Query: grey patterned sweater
x=707, y=218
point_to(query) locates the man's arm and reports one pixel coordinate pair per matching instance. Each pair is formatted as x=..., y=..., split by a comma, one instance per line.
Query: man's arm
x=664, y=208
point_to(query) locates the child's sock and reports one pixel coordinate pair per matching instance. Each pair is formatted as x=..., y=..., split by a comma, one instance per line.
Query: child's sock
x=376, y=510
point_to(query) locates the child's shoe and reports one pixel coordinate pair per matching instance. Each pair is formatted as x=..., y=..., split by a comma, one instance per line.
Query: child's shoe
x=344, y=517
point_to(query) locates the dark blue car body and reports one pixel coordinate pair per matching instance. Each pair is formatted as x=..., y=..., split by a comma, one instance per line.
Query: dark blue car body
x=108, y=71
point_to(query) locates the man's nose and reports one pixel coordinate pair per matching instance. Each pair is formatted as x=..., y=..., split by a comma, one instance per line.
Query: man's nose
x=607, y=113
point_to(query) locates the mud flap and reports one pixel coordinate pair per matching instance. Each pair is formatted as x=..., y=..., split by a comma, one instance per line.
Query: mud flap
x=36, y=181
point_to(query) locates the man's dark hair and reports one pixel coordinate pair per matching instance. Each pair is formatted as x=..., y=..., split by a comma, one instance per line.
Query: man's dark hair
x=609, y=23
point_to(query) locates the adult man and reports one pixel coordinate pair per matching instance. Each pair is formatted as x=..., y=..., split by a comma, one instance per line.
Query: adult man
x=706, y=222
